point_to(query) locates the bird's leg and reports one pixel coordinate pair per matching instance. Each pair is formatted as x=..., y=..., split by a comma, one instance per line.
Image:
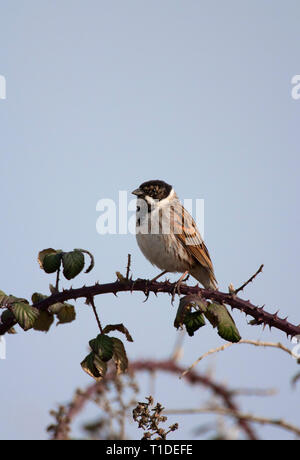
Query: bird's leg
x=178, y=283
x=186, y=278
x=158, y=276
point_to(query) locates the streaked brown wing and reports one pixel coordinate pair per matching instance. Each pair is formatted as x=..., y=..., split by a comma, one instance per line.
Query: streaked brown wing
x=186, y=231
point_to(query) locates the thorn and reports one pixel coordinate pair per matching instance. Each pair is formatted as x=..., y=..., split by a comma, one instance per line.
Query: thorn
x=147, y=296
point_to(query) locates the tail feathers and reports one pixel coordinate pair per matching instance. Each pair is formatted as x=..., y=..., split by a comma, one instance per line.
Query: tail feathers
x=205, y=277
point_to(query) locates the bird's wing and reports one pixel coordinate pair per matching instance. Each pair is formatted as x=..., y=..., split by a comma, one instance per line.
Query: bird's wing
x=186, y=231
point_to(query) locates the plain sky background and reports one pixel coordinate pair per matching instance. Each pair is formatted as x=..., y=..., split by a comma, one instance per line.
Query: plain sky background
x=102, y=96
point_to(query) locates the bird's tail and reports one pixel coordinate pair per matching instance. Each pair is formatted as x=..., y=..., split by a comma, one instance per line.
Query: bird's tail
x=205, y=277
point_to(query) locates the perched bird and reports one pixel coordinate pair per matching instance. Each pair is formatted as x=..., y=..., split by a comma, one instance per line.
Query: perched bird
x=167, y=234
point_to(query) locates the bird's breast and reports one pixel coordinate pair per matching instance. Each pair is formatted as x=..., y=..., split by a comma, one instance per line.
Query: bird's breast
x=164, y=252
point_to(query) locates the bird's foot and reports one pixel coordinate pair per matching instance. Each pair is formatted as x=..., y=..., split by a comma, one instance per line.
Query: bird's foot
x=176, y=289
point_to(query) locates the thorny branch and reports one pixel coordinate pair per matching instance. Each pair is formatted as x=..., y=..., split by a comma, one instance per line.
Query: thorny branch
x=238, y=415
x=127, y=285
x=241, y=288
x=168, y=366
x=256, y=343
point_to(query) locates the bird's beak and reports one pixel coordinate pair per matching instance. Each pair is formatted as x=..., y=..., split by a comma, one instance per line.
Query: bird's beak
x=137, y=192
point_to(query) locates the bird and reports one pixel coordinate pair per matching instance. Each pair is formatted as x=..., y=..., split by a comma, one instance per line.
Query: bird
x=168, y=236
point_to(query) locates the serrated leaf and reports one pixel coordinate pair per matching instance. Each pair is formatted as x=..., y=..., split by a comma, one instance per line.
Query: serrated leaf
x=89, y=367
x=73, y=263
x=94, y=367
x=119, y=356
x=219, y=317
x=120, y=328
x=38, y=297
x=185, y=305
x=56, y=307
x=43, y=321
x=2, y=296
x=100, y=365
x=8, y=300
x=102, y=346
x=7, y=315
x=193, y=321
x=65, y=314
x=42, y=254
x=51, y=262
x=92, y=263
x=24, y=314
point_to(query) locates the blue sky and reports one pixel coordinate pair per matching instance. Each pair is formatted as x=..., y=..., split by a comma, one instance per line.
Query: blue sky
x=102, y=96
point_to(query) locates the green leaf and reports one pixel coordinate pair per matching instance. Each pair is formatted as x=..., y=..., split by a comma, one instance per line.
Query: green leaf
x=185, y=305
x=43, y=321
x=193, y=321
x=7, y=315
x=219, y=317
x=2, y=296
x=100, y=365
x=8, y=300
x=94, y=367
x=92, y=263
x=50, y=259
x=64, y=311
x=24, y=314
x=51, y=262
x=56, y=307
x=89, y=367
x=120, y=328
x=103, y=347
x=38, y=297
x=119, y=356
x=42, y=254
x=73, y=263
